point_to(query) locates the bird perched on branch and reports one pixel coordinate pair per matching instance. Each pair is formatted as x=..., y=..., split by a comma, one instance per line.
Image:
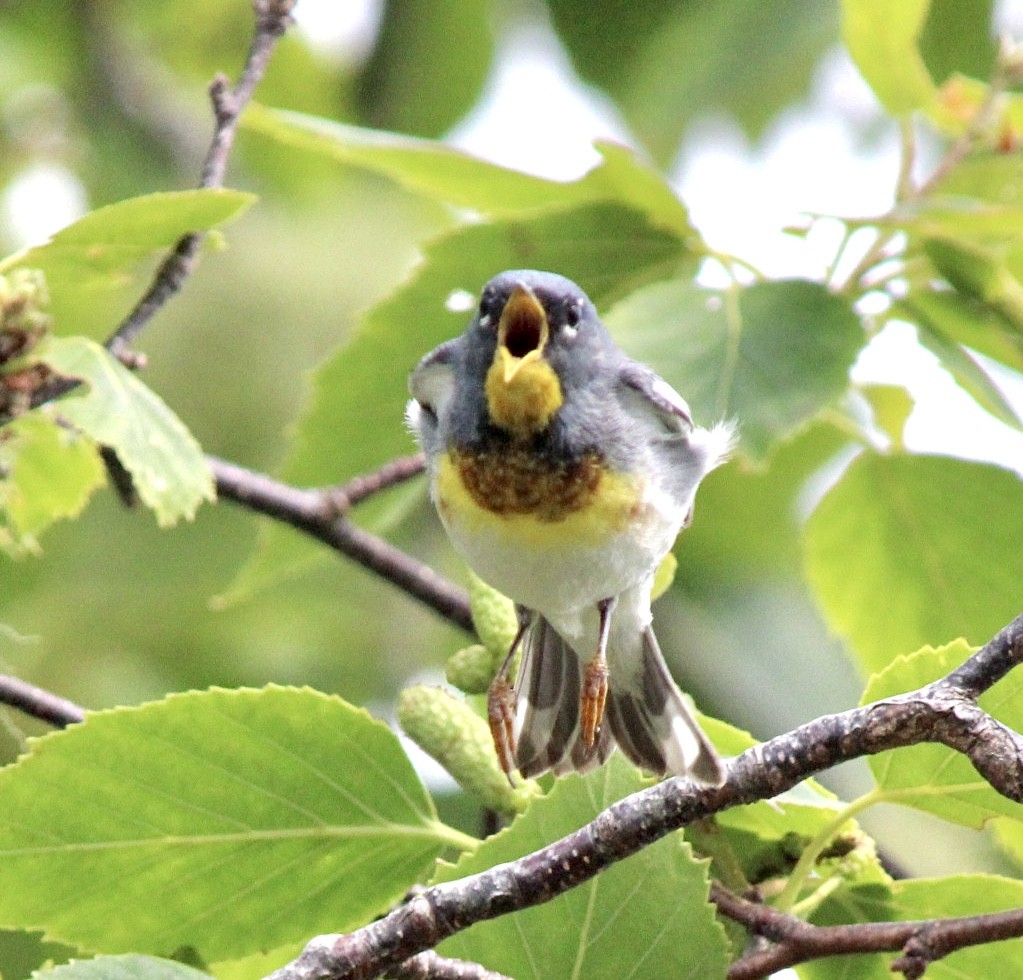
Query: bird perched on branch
x=563, y=471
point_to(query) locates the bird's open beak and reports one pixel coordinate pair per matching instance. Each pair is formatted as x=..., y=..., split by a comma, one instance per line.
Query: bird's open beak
x=522, y=332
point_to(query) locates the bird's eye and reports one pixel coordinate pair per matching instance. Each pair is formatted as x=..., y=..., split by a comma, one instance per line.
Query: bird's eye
x=573, y=315
x=486, y=309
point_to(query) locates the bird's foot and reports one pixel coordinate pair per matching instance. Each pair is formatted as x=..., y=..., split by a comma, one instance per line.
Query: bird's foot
x=593, y=699
x=501, y=715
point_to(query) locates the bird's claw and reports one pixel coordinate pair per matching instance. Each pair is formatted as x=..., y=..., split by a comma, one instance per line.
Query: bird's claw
x=593, y=700
x=501, y=716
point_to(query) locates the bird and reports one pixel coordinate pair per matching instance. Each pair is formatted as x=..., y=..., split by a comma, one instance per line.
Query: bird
x=562, y=471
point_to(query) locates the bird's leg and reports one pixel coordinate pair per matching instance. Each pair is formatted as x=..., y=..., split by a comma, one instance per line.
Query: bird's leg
x=501, y=703
x=594, y=694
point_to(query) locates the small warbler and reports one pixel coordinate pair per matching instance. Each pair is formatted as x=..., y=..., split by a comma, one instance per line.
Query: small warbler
x=563, y=471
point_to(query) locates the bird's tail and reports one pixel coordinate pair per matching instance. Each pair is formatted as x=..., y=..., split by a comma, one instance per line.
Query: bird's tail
x=547, y=690
x=652, y=724
x=646, y=714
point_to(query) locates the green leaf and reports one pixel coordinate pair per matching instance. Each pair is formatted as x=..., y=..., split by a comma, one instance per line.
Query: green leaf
x=354, y=421
x=624, y=176
x=950, y=325
x=747, y=526
x=957, y=37
x=258, y=964
x=424, y=166
x=771, y=356
x=891, y=406
x=980, y=273
x=921, y=899
x=460, y=179
x=954, y=217
x=994, y=177
x=117, y=410
x=666, y=63
x=22, y=952
x=883, y=40
x=105, y=238
x=647, y=916
x=131, y=966
x=226, y=821
x=964, y=895
x=933, y=777
x=47, y=472
x=449, y=42
x=88, y=259
x=901, y=553
x=1008, y=833
x=963, y=321
x=852, y=903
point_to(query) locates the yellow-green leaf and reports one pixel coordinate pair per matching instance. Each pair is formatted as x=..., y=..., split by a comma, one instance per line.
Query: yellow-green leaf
x=47, y=473
x=85, y=262
x=883, y=39
x=933, y=777
x=901, y=552
x=645, y=917
x=117, y=410
x=195, y=820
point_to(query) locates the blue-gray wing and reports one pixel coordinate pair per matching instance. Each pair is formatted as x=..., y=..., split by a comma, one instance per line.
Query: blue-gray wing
x=683, y=453
x=649, y=398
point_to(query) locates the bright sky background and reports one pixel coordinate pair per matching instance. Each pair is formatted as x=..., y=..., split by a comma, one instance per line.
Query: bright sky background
x=537, y=116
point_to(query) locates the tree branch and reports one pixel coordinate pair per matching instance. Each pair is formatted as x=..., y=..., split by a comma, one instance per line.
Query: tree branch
x=322, y=515
x=430, y=966
x=38, y=703
x=795, y=941
x=273, y=18
x=943, y=712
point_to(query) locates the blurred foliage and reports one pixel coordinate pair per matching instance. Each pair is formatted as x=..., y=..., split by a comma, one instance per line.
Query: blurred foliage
x=664, y=63
x=428, y=65
x=822, y=554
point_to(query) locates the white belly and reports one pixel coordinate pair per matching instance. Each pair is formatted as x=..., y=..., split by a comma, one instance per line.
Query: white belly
x=561, y=568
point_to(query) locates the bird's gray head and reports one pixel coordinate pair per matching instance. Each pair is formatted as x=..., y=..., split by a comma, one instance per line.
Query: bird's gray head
x=535, y=336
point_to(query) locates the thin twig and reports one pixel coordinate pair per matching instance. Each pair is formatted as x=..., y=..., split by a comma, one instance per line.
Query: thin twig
x=316, y=512
x=273, y=17
x=944, y=712
x=979, y=125
x=37, y=703
x=390, y=474
x=906, y=192
x=795, y=941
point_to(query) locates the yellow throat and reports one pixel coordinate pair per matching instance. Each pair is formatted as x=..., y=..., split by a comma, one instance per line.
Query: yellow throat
x=523, y=391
